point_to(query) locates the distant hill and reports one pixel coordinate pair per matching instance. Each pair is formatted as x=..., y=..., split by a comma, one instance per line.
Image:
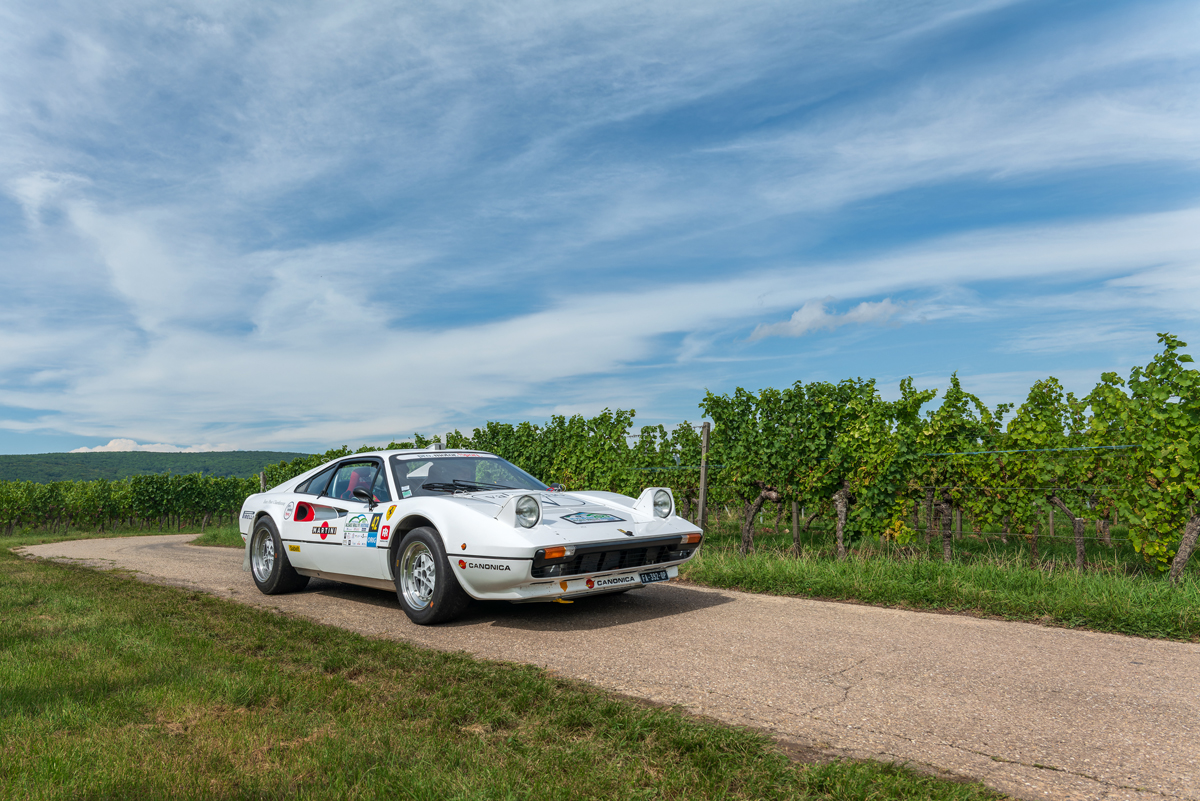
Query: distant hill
x=46, y=467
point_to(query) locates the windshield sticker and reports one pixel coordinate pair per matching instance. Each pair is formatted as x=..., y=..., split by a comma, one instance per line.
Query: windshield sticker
x=592, y=517
x=443, y=455
x=405, y=492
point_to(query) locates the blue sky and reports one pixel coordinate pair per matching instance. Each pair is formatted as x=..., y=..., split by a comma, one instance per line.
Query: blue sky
x=300, y=225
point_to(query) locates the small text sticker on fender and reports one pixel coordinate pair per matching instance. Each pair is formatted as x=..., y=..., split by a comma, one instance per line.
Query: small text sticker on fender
x=294, y=548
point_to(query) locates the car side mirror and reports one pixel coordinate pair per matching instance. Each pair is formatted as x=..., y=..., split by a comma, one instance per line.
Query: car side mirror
x=558, y=488
x=365, y=496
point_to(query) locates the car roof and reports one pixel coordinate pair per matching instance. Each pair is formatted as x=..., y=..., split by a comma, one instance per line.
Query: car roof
x=426, y=452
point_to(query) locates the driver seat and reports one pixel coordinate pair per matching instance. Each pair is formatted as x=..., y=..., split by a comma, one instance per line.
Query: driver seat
x=358, y=479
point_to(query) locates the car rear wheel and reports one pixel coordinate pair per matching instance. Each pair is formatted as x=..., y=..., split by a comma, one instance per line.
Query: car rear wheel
x=269, y=565
x=428, y=591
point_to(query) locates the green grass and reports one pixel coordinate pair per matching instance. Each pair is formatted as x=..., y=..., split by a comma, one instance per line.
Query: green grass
x=221, y=537
x=1117, y=592
x=118, y=688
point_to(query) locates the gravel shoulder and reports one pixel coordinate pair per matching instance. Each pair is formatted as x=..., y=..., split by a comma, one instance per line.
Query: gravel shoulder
x=1034, y=712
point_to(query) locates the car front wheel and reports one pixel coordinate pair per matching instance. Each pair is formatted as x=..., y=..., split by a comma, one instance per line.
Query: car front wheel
x=269, y=565
x=428, y=591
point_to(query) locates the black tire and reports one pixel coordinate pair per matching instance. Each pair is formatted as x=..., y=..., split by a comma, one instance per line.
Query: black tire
x=269, y=565
x=429, y=591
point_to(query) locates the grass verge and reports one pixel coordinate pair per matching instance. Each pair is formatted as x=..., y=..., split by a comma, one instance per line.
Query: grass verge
x=221, y=537
x=1116, y=593
x=116, y=688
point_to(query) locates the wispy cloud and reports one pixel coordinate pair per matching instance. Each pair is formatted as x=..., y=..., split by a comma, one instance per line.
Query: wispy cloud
x=265, y=225
x=814, y=315
x=124, y=445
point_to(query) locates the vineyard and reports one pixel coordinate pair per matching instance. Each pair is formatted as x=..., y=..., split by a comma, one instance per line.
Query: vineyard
x=870, y=469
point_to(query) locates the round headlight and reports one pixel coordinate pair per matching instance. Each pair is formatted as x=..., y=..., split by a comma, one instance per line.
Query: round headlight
x=662, y=503
x=527, y=511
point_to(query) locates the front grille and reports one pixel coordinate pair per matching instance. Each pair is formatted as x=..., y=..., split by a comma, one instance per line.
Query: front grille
x=612, y=558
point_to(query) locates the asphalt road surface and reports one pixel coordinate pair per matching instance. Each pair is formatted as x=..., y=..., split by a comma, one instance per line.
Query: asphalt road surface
x=1031, y=711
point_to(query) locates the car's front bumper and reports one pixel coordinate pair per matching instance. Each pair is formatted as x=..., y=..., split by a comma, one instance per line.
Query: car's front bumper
x=580, y=586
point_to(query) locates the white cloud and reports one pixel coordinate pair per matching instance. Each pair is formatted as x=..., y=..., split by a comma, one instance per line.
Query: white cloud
x=313, y=337
x=813, y=316
x=34, y=190
x=1081, y=334
x=123, y=445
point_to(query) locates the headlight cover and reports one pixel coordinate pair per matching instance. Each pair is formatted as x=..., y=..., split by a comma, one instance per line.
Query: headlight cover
x=662, y=504
x=528, y=511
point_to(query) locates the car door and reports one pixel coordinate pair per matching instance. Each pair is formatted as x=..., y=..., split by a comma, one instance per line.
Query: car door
x=313, y=522
x=357, y=553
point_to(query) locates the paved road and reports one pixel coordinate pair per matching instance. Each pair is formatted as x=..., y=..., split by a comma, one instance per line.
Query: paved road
x=1034, y=712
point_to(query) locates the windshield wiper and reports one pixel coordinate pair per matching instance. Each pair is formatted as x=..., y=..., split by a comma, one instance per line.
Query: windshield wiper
x=462, y=485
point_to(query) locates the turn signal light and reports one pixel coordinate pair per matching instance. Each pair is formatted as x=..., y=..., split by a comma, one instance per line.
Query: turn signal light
x=560, y=551
x=688, y=539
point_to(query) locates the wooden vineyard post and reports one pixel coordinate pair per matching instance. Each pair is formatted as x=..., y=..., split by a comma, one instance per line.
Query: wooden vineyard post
x=703, y=501
x=262, y=482
x=796, y=527
x=841, y=502
x=928, y=515
x=947, y=525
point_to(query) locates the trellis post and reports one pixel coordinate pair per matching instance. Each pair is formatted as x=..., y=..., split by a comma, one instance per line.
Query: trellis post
x=704, y=431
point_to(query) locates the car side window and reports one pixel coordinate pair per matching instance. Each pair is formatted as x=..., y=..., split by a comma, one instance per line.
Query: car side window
x=380, y=491
x=316, y=485
x=351, y=476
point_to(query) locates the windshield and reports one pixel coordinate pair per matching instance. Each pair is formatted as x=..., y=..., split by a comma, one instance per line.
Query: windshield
x=439, y=474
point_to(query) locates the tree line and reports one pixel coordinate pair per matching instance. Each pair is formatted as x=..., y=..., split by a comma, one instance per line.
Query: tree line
x=880, y=468
x=43, y=468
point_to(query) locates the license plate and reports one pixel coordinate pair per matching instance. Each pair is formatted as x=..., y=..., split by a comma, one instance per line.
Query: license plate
x=657, y=575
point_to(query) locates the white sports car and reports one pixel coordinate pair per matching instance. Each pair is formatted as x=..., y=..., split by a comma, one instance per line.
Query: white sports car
x=442, y=527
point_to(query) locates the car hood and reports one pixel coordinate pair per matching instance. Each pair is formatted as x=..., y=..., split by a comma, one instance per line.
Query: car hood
x=575, y=517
